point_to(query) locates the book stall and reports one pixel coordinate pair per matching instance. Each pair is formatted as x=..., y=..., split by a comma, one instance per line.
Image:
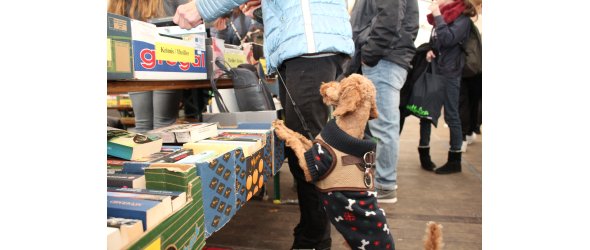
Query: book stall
x=173, y=187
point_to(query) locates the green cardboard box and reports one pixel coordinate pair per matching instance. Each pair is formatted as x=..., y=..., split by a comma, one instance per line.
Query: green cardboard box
x=185, y=228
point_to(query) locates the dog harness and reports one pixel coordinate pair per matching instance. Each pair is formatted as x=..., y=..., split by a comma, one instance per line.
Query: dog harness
x=340, y=162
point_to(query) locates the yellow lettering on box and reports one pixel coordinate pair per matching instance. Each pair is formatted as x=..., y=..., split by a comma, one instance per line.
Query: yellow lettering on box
x=234, y=59
x=174, y=53
x=156, y=245
x=109, y=50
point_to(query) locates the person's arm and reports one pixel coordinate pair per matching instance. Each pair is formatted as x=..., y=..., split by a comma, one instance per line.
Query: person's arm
x=384, y=32
x=191, y=14
x=450, y=35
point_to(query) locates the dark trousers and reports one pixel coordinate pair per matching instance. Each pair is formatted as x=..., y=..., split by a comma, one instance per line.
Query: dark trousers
x=303, y=78
x=470, y=104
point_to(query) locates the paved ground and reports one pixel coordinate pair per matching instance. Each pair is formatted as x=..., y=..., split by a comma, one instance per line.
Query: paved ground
x=454, y=200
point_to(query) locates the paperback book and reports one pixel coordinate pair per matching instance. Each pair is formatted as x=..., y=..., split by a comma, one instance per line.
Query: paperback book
x=125, y=180
x=150, y=212
x=130, y=229
x=131, y=146
x=182, y=133
x=178, y=198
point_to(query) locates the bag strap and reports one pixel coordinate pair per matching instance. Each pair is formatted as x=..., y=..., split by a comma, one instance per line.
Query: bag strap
x=297, y=111
x=218, y=99
x=265, y=89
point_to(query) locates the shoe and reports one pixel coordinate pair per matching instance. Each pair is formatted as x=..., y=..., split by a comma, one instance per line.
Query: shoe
x=464, y=146
x=471, y=138
x=386, y=196
x=425, y=161
x=453, y=164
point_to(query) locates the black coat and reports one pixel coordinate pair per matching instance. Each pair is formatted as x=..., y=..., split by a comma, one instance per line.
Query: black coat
x=381, y=31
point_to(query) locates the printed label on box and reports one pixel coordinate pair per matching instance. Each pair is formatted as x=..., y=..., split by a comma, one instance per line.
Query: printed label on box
x=144, y=59
x=174, y=53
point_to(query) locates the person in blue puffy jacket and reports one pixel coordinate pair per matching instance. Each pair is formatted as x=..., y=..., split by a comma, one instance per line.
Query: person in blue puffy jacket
x=307, y=43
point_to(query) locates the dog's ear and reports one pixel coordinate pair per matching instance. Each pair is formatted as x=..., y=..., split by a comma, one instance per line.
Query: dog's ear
x=330, y=92
x=368, y=88
x=350, y=99
x=373, y=114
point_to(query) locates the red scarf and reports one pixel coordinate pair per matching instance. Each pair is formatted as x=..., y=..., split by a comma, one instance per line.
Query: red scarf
x=450, y=12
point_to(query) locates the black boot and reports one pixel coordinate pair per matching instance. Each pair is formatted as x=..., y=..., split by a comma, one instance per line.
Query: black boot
x=453, y=164
x=425, y=160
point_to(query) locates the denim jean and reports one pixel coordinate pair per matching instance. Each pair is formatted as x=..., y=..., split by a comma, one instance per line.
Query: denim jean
x=451, y=109
x=154, y=109
x=388, y=79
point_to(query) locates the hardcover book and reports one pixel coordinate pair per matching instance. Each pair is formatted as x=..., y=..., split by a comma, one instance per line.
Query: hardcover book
x=182, y=133
x=130, y=229
x=131, y=146
x=178, y=198
x=148, y=211
x=125, y=180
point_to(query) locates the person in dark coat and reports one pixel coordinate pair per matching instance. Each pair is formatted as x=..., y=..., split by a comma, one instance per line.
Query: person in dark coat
x=452, y=24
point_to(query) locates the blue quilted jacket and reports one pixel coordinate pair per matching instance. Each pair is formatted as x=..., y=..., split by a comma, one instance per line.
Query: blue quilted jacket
x=294, y=27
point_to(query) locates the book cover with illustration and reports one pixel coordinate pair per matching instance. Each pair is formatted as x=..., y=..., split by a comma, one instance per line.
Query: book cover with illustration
x=131, y=146
x=182, y=133
x=150, y=212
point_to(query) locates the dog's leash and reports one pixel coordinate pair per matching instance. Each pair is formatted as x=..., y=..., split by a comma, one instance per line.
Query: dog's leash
x=297, y=111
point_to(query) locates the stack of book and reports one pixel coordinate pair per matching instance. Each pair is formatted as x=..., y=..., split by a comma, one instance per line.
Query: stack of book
x=183, y=133
x=227, y=141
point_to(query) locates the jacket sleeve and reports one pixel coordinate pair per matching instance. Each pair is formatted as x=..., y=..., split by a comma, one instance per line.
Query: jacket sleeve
x=385, y=30
x=411, y=18
x=212, y=9
x=449, y=35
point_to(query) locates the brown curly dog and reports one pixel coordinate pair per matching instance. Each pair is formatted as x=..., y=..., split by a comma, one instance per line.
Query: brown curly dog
x=354, y=102
x=334, y=167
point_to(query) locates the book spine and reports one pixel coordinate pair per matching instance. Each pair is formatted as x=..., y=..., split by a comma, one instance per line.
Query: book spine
x=173, y=194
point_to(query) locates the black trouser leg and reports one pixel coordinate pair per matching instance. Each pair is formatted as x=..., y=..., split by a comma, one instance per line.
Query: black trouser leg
x=303, y=78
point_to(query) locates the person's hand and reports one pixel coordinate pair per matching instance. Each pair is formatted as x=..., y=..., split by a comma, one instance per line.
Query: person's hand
x=430, y=55
x=249, y=7
x=220, y=23
x=434, y=8
x=187, y=16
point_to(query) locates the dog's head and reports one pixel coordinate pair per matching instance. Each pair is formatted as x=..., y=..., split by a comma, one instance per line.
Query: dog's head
x=348, y=95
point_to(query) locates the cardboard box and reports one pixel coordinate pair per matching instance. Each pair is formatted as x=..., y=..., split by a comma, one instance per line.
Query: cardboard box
x=218, y=186
x=250, y=175
x=119, y=48
x=274, y=148
x=184, y=229
x=157, y=57
x=235, y=118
